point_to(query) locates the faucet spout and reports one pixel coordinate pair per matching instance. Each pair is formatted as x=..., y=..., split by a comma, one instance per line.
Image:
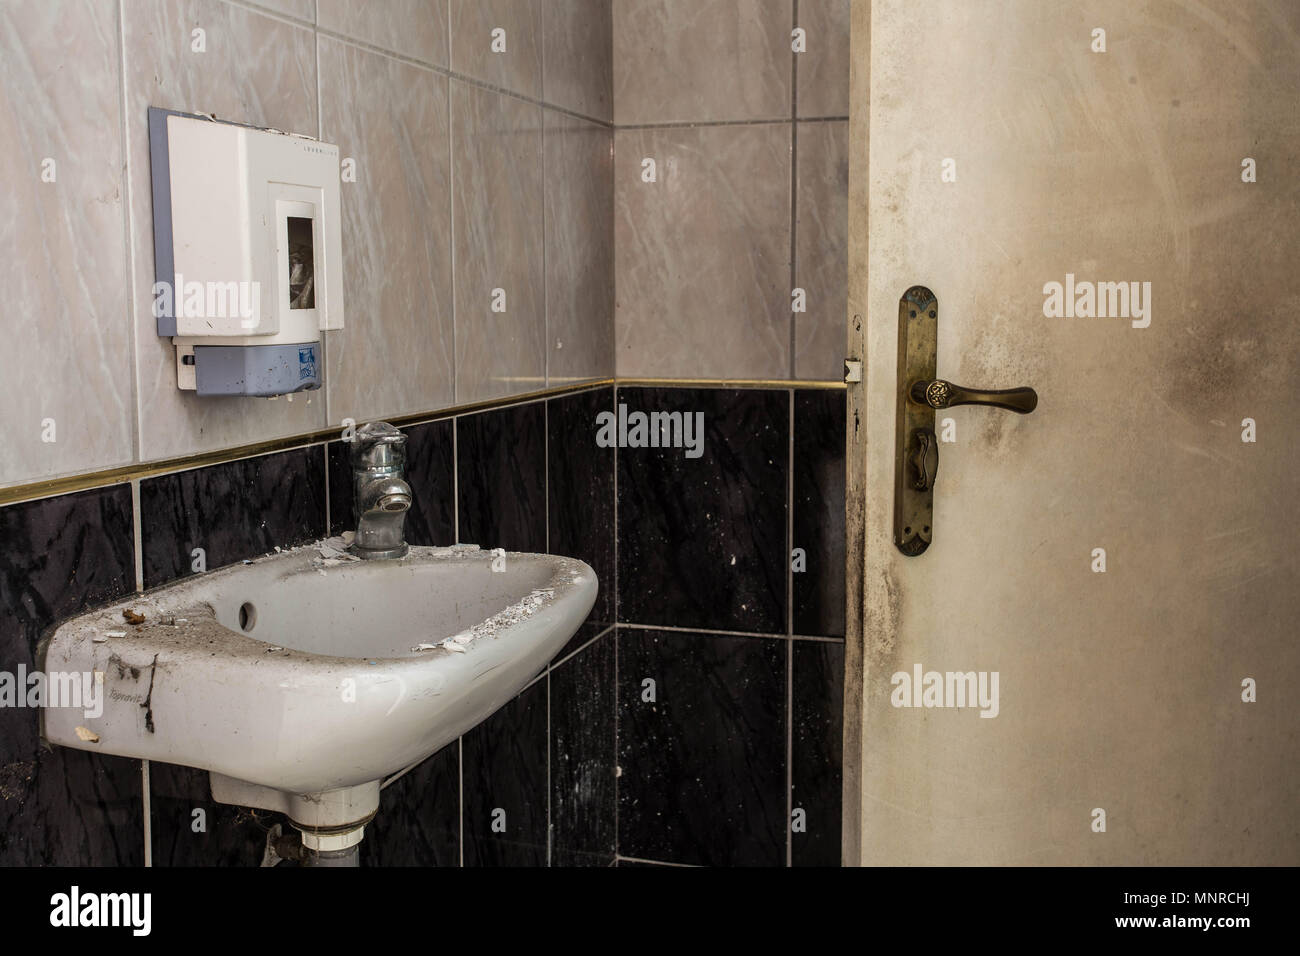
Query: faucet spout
x=382, y=495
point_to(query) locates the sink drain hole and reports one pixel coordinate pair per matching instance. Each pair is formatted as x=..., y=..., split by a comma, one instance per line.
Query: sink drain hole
x=247, y=617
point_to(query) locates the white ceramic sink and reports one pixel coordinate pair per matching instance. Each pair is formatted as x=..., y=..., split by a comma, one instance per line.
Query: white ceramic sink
x=301, y=680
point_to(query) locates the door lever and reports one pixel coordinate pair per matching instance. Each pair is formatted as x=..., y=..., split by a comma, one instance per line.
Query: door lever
x=940, y=394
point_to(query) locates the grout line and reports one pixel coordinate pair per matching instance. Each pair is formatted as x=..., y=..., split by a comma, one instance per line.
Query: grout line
x=794, y=192
x=614, y=394
x=549, y=822
x=617, y=769
x=455, y=75
x=578, y=650
x=328, y=390
x=147, y=804
x=451, y=220
x=546, y=470
x=789, y=649
x=275, y=14
x=696, y=124
x=789, y=520
x=460, y=794
x=794, y=252
x=822, y=638
x=635, y=859
x=546, y=284
x=542, y=21
x=611, y=234
x=137, y=535
x=700, y=630
x=329, y=517
x=314, y=25
x=614, y=397
x=128, y=226
x=455, y=479
x=789, y=752
x=733, y=383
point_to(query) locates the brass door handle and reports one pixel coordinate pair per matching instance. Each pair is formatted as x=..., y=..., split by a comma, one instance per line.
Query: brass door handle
x=941, y=394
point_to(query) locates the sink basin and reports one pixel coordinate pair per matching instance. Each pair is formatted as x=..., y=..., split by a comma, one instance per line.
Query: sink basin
x=302, y=679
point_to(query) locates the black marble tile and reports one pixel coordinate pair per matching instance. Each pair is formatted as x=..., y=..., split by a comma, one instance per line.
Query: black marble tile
x=430, y=471
x=818, y=712
x=501, y=474
x=572, y=859
x=702, y=541
x=580, y=489
x=418, y=823
x=343, y=510
x=638, y=863
x=63, y=807
x=235, y=510
x=192, y=829
x=582, y=757
x=703, y=765
x=504, y=766
x=585, y=634
x=818, y=519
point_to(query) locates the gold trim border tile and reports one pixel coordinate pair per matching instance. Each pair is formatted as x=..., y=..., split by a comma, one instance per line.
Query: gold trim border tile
x=85, y=481
x=729, y=383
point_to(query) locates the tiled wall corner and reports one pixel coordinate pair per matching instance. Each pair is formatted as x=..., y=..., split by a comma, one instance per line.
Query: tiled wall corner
x=747, y=199
x=821, y=249
x=728, y=708
x=499, y=278
x=683, y=61
x=579, y=244
x=703, y=252
x=578, y=57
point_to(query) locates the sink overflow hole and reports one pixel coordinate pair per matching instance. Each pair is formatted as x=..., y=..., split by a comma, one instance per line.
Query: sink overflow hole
x=247, y=617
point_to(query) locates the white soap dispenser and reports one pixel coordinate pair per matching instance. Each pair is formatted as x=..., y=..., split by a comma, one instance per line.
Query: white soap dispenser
x=247, y=253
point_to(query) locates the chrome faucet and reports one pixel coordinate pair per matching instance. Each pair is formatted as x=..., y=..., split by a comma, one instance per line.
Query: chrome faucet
x=382, y=495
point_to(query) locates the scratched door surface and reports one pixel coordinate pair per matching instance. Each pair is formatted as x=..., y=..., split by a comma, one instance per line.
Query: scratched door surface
x=1009, y=146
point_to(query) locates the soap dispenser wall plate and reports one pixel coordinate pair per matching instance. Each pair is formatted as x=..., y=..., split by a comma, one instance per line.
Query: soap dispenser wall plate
x=247, y=253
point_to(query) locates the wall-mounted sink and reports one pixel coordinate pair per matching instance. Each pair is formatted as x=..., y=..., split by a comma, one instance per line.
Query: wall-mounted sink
x=302, y=679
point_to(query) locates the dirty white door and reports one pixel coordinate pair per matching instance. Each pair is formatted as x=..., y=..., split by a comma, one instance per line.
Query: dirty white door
x=999, y=147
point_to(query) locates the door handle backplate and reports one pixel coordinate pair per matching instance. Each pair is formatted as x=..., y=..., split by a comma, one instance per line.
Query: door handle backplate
x=920, y=392
x=918, y=336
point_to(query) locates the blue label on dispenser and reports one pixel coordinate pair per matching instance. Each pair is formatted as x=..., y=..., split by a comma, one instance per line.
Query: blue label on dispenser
x=261, y=370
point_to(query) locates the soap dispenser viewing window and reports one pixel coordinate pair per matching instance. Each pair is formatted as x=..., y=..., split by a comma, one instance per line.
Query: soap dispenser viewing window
x=247, y=253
